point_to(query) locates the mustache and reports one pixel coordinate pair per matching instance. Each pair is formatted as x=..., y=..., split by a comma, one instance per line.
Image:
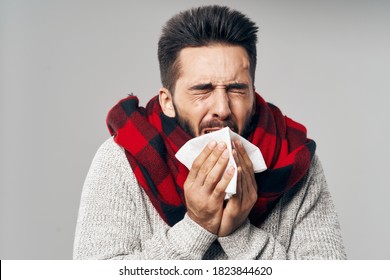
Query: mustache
x=217, y=123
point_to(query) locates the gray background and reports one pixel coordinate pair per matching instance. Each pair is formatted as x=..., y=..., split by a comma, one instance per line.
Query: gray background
x=63, y=64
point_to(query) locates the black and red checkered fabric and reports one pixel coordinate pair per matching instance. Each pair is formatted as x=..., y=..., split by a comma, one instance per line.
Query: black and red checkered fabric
x=151, y=140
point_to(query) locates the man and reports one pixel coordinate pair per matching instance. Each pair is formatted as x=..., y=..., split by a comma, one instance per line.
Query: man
x=140, y=202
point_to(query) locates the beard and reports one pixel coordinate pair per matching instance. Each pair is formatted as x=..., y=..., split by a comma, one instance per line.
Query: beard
x=185, y=125
x=189, y=129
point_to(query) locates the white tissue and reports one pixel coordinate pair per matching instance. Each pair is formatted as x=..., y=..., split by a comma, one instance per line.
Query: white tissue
x=190, y=150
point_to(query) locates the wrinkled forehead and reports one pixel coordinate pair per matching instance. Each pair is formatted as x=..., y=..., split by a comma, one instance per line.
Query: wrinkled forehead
x=216, y=64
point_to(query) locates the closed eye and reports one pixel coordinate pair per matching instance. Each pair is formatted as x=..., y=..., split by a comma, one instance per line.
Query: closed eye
x=202, y=87
x=237, y=88
x=240, y=88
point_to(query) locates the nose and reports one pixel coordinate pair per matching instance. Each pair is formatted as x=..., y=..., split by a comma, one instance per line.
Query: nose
x=220, y=106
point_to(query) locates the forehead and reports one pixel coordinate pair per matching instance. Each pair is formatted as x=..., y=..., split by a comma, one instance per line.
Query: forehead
x=215, y=63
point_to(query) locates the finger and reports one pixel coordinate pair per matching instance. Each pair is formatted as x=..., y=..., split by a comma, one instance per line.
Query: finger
x=235, y=155
x=233, y=206
x=242, y=188
x=200, y=159
x=248, y=187
x=247, y=167
x=244, y=157
x=210, y=163
x=239, y=189
x=240, y=160
x=219, y=191
x=244, y=172
x=215, y=174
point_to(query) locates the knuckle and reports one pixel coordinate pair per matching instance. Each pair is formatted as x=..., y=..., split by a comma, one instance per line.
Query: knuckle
x=186, y=185
x=196, y=164
x=246, y=169
x=221, y=163
x=211, y=179
x=219, y=191
x=253, y=197
x=249, y=164
x=204, y=169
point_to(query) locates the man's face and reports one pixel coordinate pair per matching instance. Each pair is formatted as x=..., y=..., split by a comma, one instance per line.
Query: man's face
x=214, y=89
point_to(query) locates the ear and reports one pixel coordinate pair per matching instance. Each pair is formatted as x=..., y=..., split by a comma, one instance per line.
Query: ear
x=166, y=102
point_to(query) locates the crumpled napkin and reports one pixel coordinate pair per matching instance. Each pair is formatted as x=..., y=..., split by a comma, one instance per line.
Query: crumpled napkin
x=190, y=150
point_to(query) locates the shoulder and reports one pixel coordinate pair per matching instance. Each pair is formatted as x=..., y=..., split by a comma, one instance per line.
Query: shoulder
x=109, y=148
x=316, y=172
x=110, y=169
x=110, y=156
x=314, y=182
x=305, y=192
x=311, y=195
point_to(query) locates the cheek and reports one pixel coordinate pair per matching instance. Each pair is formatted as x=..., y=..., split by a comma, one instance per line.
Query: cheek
x=193, y=113
x=198, y=113
x=194, y=110
x=242, y=113
x=241, y=117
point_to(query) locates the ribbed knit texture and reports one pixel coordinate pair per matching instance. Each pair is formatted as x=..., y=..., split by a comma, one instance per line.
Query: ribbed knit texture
x=117, y=221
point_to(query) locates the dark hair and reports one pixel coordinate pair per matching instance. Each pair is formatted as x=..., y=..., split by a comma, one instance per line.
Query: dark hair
x=204, y=26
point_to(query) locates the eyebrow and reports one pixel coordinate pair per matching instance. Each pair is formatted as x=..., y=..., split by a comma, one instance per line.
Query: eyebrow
x=210, y=86
x=236, y=86
x=207, y=86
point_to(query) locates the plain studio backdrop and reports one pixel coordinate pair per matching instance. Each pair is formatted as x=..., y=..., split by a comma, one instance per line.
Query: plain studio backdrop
x=64, y=64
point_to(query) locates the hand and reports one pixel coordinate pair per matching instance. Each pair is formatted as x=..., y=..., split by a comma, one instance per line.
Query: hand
x=239, y=205
x=204, y=188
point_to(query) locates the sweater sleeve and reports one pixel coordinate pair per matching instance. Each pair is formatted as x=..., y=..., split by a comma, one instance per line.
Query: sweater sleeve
x=115, y=221
x=307, y=226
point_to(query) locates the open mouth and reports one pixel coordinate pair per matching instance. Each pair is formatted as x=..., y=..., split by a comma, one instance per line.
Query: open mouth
x=211, y=129
x=217, y=125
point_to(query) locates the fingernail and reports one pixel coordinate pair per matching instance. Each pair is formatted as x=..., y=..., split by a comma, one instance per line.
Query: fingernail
x=230, y=170
x=212, y=144
x=221, y=146
x=225, y=153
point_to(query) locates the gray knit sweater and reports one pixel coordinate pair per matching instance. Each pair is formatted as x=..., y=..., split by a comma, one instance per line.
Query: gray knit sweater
x=117, y=221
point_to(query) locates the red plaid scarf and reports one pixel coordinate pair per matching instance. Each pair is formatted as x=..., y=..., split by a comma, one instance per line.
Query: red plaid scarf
x=151, y=140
